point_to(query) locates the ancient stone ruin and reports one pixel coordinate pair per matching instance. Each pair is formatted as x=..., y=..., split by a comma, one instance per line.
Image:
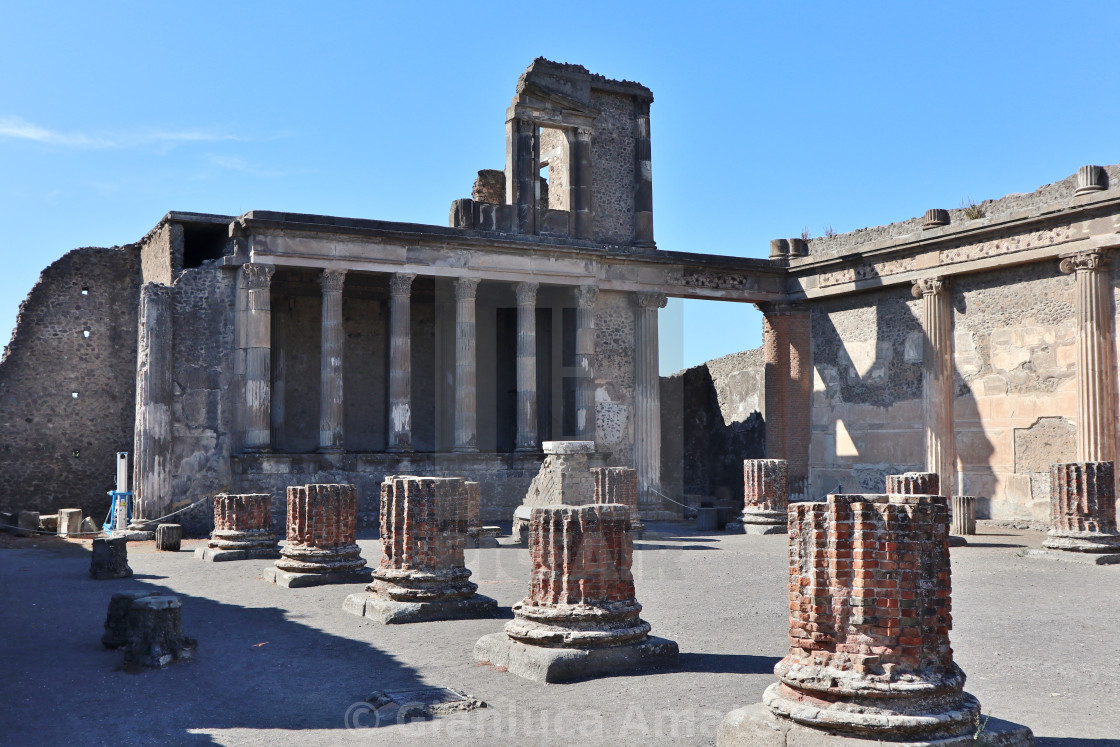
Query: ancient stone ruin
x=148, y=626
x=422, y=576
x=1083, y=513
x=109, y=559
x=242, y=529
x=922, y=483
x=581, y=617
x=870, y=614
x=564, y=478
x=321, y=547
x=619, y=485
x=765, y=496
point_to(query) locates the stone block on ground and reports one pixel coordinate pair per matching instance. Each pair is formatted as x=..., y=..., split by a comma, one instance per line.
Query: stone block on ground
x=27, y=523
x=89, y=526
x=169, y=537
x=69, y=521
x=116, y=621
x=109, y=559
x=48, y=522
x=149, y=628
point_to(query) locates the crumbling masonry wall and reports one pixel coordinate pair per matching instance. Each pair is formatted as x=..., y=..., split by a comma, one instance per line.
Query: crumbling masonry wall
x=57, y=450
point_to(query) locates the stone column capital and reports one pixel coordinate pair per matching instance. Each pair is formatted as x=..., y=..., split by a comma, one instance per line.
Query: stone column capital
x=583, y=134
x=651, y=300
x=332, y=280
x=466, y=288
x=586, y=295
x=929, y=287
x=527, y=293
x=400, y=283
x=257, y=276
x=1082, y=262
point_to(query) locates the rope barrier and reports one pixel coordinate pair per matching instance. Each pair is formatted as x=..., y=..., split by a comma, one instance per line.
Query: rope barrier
x=94, y=534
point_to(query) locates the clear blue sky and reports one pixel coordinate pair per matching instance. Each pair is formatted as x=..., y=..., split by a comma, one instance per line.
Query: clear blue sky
x=768, y=118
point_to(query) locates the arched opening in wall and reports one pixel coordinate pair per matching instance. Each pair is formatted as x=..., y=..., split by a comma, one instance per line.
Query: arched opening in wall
x=554, y=169
x=203, y=242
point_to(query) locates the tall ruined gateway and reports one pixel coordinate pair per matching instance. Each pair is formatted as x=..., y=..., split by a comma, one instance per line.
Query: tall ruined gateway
x=245, y=354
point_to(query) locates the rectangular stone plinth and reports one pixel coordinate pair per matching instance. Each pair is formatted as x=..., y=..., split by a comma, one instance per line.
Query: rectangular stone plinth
x=391, y=612
x=214, y=555
x=756, y=726
x=303, y=580
x=546, y=664
x=1084, y=558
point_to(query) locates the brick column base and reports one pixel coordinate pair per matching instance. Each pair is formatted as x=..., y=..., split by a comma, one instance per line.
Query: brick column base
x=242, y=529
x=321, y=547
x=1083, y=508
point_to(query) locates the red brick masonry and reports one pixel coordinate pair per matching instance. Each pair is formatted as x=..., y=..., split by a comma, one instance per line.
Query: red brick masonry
x=1083, y=508
x=321, y=525
x=870, y=614
x=242, y=522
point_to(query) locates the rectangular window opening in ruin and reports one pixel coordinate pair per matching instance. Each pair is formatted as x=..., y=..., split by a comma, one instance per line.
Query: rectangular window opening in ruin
x=85, y=332
x=73, y=395
x=203, y=243
x=553, y=164
x=85, y=290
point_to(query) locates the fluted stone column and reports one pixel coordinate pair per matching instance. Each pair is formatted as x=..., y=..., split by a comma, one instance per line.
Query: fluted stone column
x=643, y=181
x=400, y=362
x=422, y=575
x=321, y=547
x=581, y=616
x=256, y=339
x=1095, y=405
x=527, y=367
x=583, y=210
x=647, y=400
x=586, y=296
x=466, y=429
x=151, y=463
x=765, y=496
x=937, y=379
x=330, y=400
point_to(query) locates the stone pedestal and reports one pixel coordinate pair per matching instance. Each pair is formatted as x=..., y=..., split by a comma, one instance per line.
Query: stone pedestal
x=619, y=485
x=169, y=537
x=422, y=575
x=1082, y=508
x=320, y=547
x=242, y=529
x=563, y=479
x=765, y=497
x=69, y=521
x=870, y=614
x=581, y=617
x=964, y=515
x=149, y=627
x=922, y=483
x=109, y=559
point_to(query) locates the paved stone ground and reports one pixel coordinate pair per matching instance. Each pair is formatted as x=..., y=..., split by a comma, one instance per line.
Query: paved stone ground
x=1038, y=639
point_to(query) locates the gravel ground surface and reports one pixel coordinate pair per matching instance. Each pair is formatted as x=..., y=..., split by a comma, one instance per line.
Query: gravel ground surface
x=1039, y=639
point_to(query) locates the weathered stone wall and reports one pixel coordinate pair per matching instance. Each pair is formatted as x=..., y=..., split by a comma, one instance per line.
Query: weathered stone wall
x=612, y=167
x=710, y=423
x=867, y=391
x=158, y=251
x=1016, y=405
x=58, y=451
x=202, y=383
x=614, y=377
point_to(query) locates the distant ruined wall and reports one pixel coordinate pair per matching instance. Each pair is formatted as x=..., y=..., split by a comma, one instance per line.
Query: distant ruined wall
x=710, y=422
x=57, y=450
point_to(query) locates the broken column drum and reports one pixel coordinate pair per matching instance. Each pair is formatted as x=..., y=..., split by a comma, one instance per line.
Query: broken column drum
x=870, y=614
x=914, y=483
x=581, y=616
x=1083, y=508
x=422, y=575
x=765, y=496
x=964, y=515
x=242, y=529
x=109, y=559
x=321, y=547
x=169, y=537
x=618, y=485
x=149, y=627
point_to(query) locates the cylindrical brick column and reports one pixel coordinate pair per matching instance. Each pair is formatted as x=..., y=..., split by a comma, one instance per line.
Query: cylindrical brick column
x=765, y=495
x=321, y=523
x=1095, y=404
x=256, y=342
x=618, y=485
x=937, y=379
x=422, y=575
x=242, y=528
x=1082, y=508
x=466, y=430
x=787, y=349
x=527, y=438
x=964, y=515
x=914, y=483
x=333, y=339
x=647, y=399
x=582, y=591
x=400, y=362
x=870, y=614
